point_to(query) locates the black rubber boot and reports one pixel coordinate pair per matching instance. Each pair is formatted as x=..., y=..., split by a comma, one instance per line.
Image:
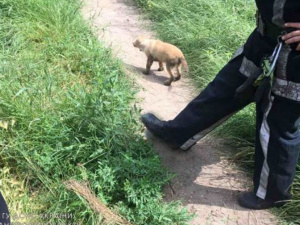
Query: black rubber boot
x=250, y=201
x=157, y=127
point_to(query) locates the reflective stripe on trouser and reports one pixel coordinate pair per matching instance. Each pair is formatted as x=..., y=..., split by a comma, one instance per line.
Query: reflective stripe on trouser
x=264, y=138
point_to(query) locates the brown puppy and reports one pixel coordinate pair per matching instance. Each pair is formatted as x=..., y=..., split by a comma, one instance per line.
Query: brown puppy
x=162, y=52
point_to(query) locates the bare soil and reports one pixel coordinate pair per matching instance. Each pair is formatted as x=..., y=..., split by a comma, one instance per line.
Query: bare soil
x=206, y=183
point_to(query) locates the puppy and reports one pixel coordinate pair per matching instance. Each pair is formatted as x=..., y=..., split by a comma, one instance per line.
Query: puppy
x=162, y=52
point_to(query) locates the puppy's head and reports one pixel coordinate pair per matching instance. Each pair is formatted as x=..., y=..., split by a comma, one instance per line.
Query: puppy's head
x=138, y=42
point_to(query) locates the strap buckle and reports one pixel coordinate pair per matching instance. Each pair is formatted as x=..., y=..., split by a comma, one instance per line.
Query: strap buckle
x=273, y=58
x=269, y=63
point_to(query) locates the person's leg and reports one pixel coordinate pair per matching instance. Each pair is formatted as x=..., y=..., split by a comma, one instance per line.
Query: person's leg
x=277, y=136
x=280, y=142
x=276, y=154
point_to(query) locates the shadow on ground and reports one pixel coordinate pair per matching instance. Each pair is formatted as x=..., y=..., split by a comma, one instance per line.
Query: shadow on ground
x=201, y=177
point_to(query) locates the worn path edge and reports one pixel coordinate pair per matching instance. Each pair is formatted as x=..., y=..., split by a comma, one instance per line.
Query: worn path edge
x=206, y=183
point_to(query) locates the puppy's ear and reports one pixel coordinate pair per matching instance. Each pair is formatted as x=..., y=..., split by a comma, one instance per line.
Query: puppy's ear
x=141, y=38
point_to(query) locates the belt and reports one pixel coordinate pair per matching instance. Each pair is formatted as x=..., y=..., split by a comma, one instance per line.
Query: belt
x=269, y=29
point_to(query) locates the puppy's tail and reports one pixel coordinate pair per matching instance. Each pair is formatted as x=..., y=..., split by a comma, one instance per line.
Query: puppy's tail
x=185, y=65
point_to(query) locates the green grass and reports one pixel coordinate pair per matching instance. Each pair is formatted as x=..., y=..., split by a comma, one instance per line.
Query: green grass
x=208, y=33
x=71, y=114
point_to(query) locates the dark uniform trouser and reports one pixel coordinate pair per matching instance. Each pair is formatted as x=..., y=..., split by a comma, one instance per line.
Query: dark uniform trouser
x=277, y=134
x=4, y=214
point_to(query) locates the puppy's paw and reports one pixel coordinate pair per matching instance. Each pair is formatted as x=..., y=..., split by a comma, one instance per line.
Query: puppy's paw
x=146, y=72
x=168, y=82
x=177, y=78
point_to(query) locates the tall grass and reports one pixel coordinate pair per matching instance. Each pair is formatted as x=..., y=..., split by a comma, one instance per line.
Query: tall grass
x=68, y=109
x=209, y=32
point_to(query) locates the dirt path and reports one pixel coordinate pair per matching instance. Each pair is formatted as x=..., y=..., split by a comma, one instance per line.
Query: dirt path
x=206, y=184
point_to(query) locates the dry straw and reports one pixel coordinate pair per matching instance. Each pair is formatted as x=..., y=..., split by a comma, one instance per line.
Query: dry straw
x=83, y=189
